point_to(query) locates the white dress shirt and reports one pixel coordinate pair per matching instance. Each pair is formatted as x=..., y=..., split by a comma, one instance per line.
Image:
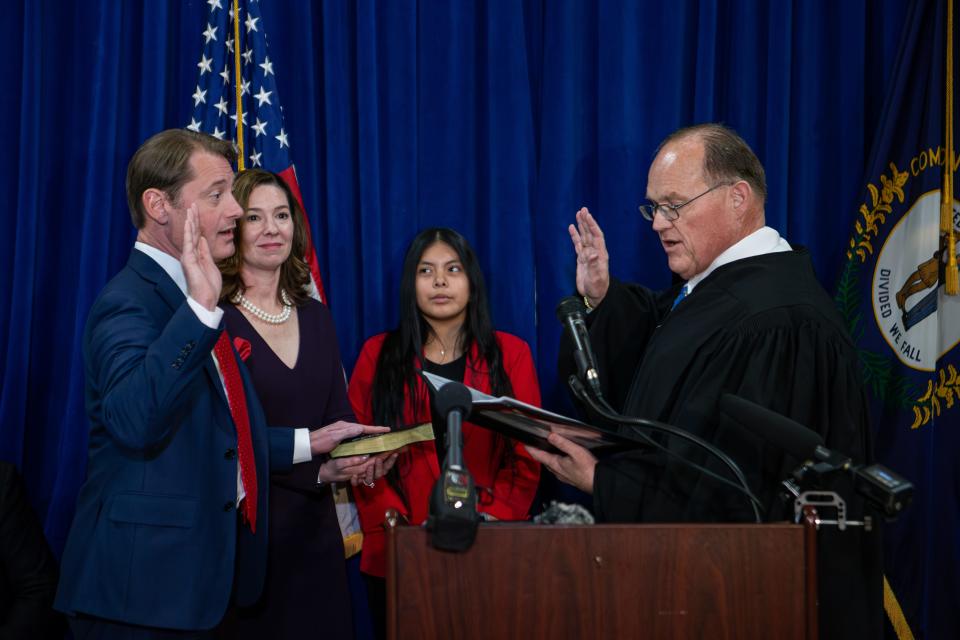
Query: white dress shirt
x=760, y=242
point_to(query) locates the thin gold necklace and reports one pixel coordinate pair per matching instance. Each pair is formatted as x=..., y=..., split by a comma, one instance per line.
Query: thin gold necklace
x=443, y=348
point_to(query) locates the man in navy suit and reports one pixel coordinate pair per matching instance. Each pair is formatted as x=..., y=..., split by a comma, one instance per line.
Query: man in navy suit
x=157, y=548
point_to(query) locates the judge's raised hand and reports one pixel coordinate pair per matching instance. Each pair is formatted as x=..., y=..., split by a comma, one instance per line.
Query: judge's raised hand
x=575, y=465
x=593, y=262
x=326, y=439
x=203, y=277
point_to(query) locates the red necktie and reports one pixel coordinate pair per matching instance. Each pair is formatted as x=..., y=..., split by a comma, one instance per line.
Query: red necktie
x=238, y=409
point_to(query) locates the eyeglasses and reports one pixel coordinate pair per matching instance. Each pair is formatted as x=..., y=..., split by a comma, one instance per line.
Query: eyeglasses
x=672, y=211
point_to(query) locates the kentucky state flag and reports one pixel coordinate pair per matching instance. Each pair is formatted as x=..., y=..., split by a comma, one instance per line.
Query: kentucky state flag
x=907, y=328
x=237, y=84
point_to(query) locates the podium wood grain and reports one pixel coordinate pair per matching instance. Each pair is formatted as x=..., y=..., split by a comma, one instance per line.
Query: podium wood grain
x=605, y=581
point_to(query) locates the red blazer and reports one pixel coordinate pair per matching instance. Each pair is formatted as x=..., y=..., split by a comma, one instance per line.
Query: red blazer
x=504, y=491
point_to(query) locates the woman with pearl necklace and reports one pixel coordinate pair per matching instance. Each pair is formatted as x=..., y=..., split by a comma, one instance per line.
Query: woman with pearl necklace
x=288, y=343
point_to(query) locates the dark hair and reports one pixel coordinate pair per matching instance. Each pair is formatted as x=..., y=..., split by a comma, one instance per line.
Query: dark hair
x=726, y=156
x=395, y=374
x=163, y=162
x=294, y=272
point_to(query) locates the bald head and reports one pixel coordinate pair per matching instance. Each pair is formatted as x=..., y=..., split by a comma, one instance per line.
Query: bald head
x=720, y=185
x=726, y=156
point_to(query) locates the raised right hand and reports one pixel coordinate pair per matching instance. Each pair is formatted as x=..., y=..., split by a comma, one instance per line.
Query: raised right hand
x=326, y=439
x=203, y=277
x=593, y=262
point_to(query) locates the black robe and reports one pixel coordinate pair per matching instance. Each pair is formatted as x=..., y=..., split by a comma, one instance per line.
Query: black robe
x=764, y=329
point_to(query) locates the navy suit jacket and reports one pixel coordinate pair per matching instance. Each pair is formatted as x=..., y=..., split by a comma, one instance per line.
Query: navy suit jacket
x=155, y=540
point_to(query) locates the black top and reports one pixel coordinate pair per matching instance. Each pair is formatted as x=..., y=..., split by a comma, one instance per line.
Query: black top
x=453, y=370
x=761, y=328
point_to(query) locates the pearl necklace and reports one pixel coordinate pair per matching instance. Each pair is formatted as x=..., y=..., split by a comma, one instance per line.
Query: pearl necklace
x=260, y=314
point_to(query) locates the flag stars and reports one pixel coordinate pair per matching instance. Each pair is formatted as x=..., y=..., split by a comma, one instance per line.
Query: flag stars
x=205, y=64
x=210, y=33
x=260, y=117
x=267, y=66
x=243, y=119
x=263, y=97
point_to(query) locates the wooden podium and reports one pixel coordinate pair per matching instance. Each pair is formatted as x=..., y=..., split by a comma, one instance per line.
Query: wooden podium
x=605, y=581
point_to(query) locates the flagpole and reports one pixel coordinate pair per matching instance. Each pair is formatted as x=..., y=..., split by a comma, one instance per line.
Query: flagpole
x=239, y=83
x=951, y=284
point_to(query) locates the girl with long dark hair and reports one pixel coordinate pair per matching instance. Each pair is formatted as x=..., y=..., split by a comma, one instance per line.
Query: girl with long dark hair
x=444, y=328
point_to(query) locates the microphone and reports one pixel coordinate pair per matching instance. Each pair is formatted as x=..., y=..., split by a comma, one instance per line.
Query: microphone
x=603, y=408
x=453, y=502
x=453, y=401
x=570, y=313
x=791, y=436
x=886, y=490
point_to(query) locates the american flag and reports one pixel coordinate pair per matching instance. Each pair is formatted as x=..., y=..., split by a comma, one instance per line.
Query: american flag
x=235, y=69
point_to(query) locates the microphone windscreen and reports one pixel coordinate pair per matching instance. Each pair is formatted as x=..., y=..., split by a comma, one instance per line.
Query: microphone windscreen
x=564, y=513
x=453, y=395
x=791, y=436
x=571, y=305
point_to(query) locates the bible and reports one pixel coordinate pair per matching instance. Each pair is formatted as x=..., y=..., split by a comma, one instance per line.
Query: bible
x=382, y=442
x=531, y=425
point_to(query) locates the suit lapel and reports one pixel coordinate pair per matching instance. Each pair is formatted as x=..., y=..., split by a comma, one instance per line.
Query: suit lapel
x=170, y=293
x=149, y=270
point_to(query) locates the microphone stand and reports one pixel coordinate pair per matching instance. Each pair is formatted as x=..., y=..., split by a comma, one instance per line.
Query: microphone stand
x=453, y=515
x=603, y=408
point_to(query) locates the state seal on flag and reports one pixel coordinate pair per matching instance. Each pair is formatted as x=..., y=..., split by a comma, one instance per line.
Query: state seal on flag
x=918, y=322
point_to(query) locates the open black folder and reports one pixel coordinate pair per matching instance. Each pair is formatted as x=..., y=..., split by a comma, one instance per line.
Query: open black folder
x=531, y=425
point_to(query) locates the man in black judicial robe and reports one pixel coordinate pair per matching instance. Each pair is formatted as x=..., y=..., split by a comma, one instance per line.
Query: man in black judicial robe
x=748, y=318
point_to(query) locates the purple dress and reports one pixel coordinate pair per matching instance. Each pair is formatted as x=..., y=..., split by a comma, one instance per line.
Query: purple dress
x=306, y=593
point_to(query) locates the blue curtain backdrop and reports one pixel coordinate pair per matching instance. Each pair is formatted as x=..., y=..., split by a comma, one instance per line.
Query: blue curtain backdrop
x=497, y=118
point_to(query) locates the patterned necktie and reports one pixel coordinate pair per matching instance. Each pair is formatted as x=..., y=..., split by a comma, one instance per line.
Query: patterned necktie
x=680, y=296
x=238, y=409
